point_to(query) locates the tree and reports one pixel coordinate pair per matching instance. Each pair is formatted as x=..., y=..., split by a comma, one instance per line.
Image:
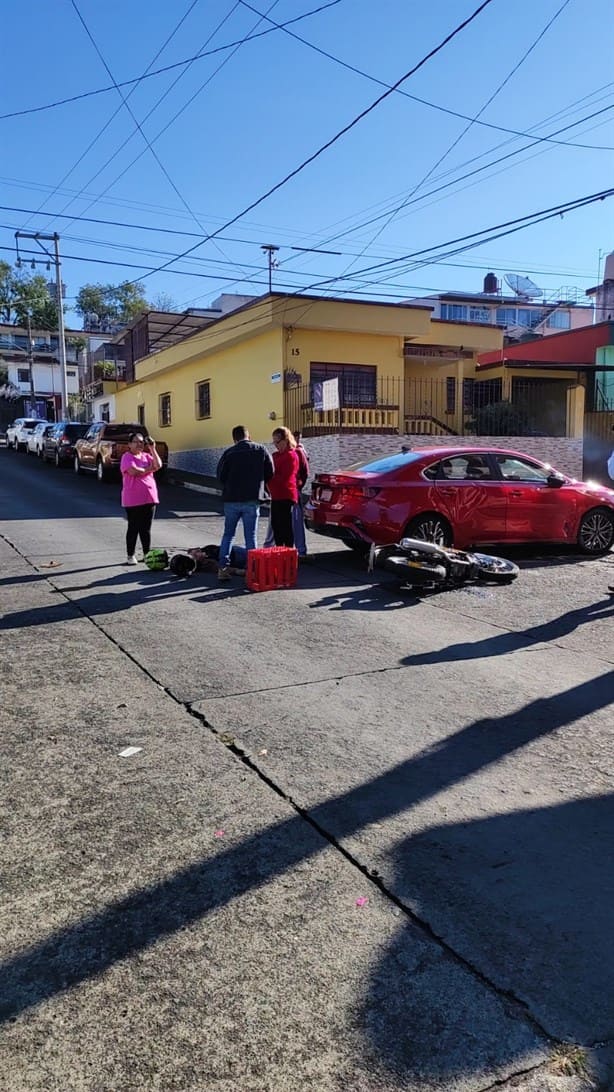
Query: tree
x=500, y=419
x=22, y=294
x=112, y=304
x=163, y=302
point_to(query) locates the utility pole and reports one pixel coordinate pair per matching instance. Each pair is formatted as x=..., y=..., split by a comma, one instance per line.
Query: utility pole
x=31, y=362
x=270, y=249
x=39, y=237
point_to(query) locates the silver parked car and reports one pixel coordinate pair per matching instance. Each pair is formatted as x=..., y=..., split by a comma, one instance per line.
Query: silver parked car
x=17, y=434
x=36, y=440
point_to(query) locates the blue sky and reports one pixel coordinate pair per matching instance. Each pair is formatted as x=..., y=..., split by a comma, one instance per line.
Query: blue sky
x=271, y=105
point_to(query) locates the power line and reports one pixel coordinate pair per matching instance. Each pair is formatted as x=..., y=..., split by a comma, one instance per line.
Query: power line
x=139, y=127
x=166, y=68
x=158, y=101
x=536, y=139
x=217, y=261
x=180, y=111
x=346, y=128
x=460, y=136
x=513, y=225
x=461, y=178
x=415, y=98
x=117, y=110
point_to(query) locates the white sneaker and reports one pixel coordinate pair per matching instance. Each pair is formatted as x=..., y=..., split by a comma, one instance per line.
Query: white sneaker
x=130, y=560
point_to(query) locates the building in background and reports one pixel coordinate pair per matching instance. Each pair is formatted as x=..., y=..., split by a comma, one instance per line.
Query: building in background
x=523, y=312
x=602, y=294
x=33, y=369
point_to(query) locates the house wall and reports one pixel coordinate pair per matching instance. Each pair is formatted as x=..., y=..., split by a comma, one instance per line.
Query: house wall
x=341, y=347
x=242, y=391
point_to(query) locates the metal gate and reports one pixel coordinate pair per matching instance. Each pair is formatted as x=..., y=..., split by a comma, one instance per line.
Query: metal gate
x=598, y=445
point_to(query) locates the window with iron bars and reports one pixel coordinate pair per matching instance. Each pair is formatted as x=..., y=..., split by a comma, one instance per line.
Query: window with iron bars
x=203, y=399
x=164, y=410
x=357, y=382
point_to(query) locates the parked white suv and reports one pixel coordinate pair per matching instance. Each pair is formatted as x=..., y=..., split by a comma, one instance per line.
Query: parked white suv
x=17, y=434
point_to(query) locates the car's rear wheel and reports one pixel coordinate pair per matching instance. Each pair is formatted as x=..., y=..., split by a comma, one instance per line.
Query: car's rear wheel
x=77, y=466
x=431, y=527
x=57, y=460
x=596, y=532
x=100, y=471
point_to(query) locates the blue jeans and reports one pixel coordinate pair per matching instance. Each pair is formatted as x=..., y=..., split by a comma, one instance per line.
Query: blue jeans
x=247, y=512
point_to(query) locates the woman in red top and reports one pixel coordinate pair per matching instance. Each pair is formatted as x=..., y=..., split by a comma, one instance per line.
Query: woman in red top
x=282, y=486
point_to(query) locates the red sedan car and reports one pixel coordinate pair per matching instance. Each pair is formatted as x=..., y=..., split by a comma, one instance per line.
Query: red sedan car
x=461, y=497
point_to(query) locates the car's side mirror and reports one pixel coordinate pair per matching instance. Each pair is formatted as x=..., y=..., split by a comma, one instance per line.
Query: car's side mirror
x=555, y=481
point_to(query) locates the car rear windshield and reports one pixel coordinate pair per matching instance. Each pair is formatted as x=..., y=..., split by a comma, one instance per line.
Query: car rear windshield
x=31, y=424
x=387, y=462
x=74, y=431
x=120, y=432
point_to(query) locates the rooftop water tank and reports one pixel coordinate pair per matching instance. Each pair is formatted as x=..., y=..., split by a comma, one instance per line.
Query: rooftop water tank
x=491, y=284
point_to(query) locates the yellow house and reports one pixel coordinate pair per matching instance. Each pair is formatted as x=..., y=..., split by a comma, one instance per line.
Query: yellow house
x=320, y=365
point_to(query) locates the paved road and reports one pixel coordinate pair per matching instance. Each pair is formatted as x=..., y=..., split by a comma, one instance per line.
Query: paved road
x=191, y=917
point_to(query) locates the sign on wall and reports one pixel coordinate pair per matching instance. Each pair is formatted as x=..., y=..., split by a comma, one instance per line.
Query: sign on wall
x=326, y=394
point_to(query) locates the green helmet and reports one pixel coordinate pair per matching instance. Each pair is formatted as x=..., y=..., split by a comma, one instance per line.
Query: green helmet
x=156, y=559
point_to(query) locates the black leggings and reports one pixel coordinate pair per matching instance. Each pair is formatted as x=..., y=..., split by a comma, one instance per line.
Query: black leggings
x=281, y=522
x=140, y=519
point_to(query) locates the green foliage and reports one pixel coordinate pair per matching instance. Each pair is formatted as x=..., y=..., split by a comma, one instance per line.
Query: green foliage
x=499, y=419
x=106, y=369
x=113, y=304
x=22, y=294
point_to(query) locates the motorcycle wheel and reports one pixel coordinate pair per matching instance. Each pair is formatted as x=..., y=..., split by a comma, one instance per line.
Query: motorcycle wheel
x=496, y=569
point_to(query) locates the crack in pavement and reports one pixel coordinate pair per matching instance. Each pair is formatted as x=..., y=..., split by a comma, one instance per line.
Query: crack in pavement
x=521, y=1007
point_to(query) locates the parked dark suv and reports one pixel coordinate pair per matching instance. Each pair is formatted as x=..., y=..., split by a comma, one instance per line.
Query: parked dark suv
x=59, y=445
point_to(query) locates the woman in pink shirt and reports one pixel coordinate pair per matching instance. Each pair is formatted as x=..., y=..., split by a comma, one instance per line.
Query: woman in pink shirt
x=139, y=491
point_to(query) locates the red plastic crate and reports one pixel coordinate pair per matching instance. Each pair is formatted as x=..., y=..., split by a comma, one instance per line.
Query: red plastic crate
x=274, y=567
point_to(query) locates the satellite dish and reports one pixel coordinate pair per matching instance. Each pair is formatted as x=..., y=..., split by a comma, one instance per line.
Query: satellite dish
x=522, y=286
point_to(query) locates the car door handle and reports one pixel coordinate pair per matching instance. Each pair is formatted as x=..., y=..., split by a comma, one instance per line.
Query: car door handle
x=447, y=492
x=515, y=493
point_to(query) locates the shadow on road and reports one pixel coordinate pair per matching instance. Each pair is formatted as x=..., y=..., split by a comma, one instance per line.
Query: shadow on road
x=508, y=641
x=529, y=895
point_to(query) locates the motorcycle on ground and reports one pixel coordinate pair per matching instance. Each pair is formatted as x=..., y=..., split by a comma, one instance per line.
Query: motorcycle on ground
x=418, y=563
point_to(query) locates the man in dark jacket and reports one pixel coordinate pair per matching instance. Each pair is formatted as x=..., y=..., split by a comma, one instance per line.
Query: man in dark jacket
x=242, y=470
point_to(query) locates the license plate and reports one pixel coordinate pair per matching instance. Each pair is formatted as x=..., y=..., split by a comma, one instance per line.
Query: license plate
x=326, y=494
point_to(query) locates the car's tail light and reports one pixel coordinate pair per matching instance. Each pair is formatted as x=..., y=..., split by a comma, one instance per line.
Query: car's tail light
x=65, y=439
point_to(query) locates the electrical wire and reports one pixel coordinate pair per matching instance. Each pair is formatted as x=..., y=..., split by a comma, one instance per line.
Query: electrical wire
x=560, y=114
x=499, y=262
x=179, y=112
x=415, y=98
x=471, y=241
x=333, y=140
x=513, y=225
x=159, y=100
x=461, y=178
x=109, y=121
x=418, y=186
x=166, y=68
